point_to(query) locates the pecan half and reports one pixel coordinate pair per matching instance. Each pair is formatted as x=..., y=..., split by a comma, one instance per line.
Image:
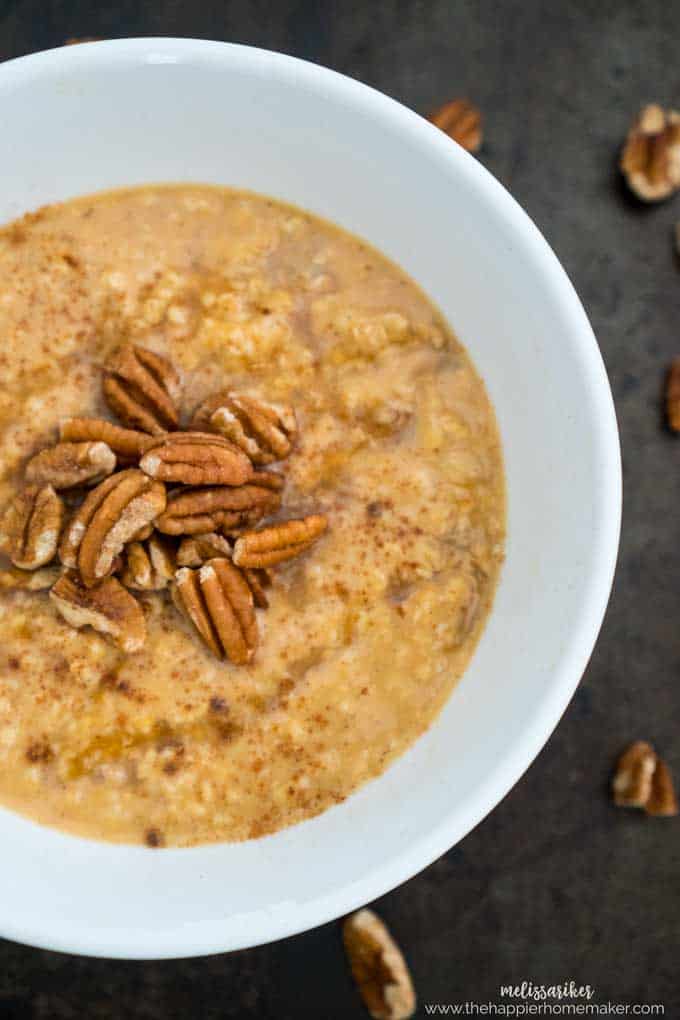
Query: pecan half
x=265, y=432
x=650, y=160
x=196, y=458
x=69, y=464
x=643, y=780
x=218, y=508
x=150, y=565
x=29, y=580
x=111, y=516
x=193, y=552
x=378, y=967
x=143, y=389
x=107, y=607
x=218, y=601
x=127, y=444
x=278, y=543
x=30, y=527
x=461, y=121
x=673, y=396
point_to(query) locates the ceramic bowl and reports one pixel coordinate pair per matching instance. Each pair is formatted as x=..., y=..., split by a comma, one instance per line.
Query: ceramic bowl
x=100, y=115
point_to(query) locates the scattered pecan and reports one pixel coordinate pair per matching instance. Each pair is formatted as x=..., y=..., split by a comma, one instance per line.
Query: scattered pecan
x=460, y=120
x=278, y=543
x=218, y=601
x=143, y=389
x=643, y=780
x=150, y=565
x=194, y=551
x=29, y=580
x=673, y=396
x=108, y=607
x=127, y=444
x=650, y=160
x=196, y=458
x=69, y=464
x=265, y=432
x=378, y=967
x=216, y=508
x=30, y=527
x=111, y=516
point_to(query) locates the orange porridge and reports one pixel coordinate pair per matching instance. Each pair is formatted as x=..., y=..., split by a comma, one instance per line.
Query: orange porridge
x=165, y=726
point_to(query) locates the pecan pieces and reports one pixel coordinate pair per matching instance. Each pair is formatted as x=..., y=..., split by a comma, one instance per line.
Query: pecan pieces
x=107, y=607
x=278, y=543
x=461, y=121
x=69, y=464
x=265, y=432
x=195, y=550
x=112, y=515
x=150, y=565
x=650, y=160
x=196, y=458
x=127, y=444
x=378, y=967
x=127, y=533
x=643, y=780
x=218, y=508
x=218, y=601
x=30, y=527
x=143, y=389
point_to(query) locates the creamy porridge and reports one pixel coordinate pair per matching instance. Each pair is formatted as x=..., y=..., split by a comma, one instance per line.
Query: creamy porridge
x=395, y=449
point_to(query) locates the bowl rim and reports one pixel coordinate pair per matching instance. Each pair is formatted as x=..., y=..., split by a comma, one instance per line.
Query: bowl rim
x=178, y=942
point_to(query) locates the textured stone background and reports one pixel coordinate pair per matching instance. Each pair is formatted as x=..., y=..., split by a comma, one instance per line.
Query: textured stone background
x=555, y=884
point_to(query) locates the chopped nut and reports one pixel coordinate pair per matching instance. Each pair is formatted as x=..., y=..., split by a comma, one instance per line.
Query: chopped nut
x=218, y=601
x=218, y=508
x=143, y=389
x=650, y=160
x=196, y=458
x=461, y=121
x=265, y=432
x=193, y=552
x=29, y=580
x=378, y=967
x=111, y=516
x=150, y=565
x=673, y=396
x=643, y=780
x=30, y=527
x=107, y=607
x=127, y=444
x=278, y=543
x=69, y=464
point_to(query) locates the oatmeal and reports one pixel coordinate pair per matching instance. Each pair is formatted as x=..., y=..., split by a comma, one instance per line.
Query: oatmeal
x=391, y=499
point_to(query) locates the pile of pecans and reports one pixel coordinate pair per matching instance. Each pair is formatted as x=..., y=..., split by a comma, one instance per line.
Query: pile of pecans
x=154, y=506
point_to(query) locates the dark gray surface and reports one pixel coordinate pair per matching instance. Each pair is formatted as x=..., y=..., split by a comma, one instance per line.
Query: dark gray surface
x=555, y=884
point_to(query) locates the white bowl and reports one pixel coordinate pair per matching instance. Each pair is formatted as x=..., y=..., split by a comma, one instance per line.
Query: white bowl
x=88, y=117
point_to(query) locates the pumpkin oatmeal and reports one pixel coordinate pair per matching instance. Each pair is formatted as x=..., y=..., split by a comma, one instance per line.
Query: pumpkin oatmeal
x=253, y=514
